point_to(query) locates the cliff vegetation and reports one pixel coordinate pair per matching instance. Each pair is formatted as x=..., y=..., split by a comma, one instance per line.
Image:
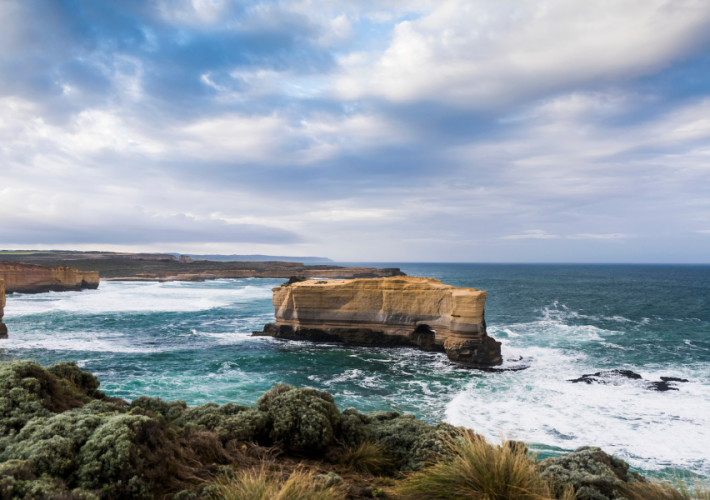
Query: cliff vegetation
x=61, y=438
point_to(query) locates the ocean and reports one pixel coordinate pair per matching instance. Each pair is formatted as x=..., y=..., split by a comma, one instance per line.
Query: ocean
x=191, y=341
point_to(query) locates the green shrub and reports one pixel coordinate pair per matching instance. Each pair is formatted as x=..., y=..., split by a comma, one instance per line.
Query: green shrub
x=478, y=471
x=168, y=410
x=411, y=442
x=302, y=419
x=249, y=425
x=70, y=372
x=208, y=416
x=594, y=474
x=19, y=483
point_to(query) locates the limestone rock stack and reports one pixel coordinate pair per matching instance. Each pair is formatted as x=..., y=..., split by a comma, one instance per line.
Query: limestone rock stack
x=395, y=311
x=3, y=327
x=33, y=278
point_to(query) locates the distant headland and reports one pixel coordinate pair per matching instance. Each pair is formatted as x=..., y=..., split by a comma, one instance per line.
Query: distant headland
x=114, y=266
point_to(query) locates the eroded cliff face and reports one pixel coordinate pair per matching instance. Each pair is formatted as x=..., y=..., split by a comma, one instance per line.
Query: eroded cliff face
x=33, y=278
x=395, y=311
x=3, y=327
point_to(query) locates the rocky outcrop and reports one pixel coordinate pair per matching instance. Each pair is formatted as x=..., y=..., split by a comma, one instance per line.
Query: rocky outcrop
x=287, y=270
x=395, y=311
x=3, y=327
x=33, y=278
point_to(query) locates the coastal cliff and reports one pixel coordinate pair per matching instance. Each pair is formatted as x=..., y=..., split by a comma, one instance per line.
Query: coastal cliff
x=287, y=270
x=3, y=326
x=161, y=267
x=395, y=311
x=33, y=278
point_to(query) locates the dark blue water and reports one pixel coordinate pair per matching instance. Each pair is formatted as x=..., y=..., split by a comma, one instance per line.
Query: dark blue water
x=191, y=341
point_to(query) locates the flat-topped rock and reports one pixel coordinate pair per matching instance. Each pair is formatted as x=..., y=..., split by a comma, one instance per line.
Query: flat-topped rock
x=3, y=326
x=34, y=278
x=394, y=311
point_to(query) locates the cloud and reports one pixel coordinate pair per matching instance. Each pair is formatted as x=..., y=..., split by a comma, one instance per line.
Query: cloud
x=485, y=53
x=392, y=130
x=139, y=229
x=536, y=234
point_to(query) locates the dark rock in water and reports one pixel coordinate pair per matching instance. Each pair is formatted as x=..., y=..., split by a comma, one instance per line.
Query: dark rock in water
x=661, y=386
x=613, y=376
x=599, y=377
x=594, y=474
x=626, y=373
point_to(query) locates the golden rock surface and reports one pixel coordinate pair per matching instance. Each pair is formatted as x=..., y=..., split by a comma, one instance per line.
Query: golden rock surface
x=395, y=311
x=33, y=278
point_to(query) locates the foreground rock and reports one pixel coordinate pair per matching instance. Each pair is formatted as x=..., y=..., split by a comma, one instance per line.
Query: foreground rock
x=3, y=326
x=397, y=311
x=34, y=278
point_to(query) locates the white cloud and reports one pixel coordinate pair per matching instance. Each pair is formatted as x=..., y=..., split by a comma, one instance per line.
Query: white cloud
x=533, y=234
x=482, y=53
x=536, y=234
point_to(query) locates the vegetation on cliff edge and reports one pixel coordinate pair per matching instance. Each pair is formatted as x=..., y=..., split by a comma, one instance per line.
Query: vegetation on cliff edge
x=63, y=439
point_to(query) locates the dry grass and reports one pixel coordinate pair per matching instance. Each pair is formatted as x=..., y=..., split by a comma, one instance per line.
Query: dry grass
x=679, y=490
x=479, y=471
x=259, y=485
x=368, y=457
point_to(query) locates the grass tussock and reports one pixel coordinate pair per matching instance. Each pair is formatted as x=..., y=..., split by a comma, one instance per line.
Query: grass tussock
x=368, y=457
x=259, y=485
x=479, y=471
x=678, y=490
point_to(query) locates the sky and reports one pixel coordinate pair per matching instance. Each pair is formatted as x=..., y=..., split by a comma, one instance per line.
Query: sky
x=385, y=131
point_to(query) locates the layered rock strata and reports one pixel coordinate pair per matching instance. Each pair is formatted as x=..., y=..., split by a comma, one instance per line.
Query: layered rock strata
x=395, y=311
x=33, y=278
x=3, y=327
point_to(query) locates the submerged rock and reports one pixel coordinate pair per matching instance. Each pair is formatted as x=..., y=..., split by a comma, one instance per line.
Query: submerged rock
x=388, y=312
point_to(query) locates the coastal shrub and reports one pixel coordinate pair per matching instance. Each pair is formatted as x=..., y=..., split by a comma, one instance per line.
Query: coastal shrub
x=208, y=416
x=169, y=410
x=249, y=425
x=18, y=482
x=70, y=372
x=71, y=450
x=51, y=444
x=29, y=391
x=411, y=442
x=369, y=457
x=258, y=485
x=594, y=474
x=477, y=470
x=302, y=419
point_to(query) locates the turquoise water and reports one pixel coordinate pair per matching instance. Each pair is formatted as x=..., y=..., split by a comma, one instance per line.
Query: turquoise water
x=191, y=341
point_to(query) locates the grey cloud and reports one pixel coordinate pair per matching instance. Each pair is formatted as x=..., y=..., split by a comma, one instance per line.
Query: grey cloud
x=145, y=230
